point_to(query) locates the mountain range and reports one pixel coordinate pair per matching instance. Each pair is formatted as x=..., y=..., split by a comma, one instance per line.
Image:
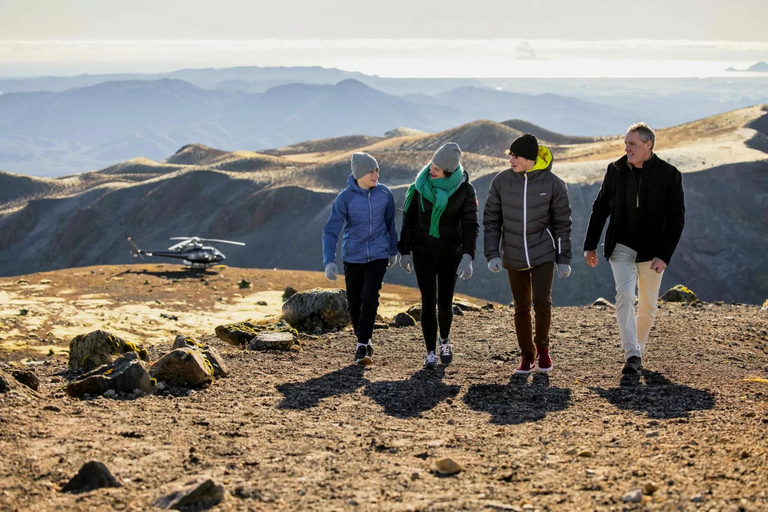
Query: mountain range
x=277, y=201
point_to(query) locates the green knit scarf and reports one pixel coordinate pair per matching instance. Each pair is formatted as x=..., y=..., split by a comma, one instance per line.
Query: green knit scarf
x=436, y=192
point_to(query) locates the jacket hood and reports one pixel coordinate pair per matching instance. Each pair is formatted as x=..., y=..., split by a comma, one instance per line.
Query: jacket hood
x=543, y=159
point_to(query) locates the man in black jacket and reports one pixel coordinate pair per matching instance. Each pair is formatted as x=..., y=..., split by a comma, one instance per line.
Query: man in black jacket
x=643, y=196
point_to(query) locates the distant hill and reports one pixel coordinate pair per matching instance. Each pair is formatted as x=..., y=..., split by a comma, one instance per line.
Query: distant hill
x=54, y=133
x=278, y=203
x=760, y=67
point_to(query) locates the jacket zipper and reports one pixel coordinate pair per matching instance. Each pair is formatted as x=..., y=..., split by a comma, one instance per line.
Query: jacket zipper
x=370, y=228
x=525, y=220
x=559, y=245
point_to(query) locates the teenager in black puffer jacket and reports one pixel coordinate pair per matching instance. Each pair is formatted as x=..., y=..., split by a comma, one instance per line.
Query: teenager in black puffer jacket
x=438, y=238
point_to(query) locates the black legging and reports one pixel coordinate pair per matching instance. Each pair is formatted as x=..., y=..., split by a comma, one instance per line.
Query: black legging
x=437, y=281
x=363, y=282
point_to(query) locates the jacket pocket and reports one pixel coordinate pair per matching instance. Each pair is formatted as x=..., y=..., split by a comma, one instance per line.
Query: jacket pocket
x=554, y=246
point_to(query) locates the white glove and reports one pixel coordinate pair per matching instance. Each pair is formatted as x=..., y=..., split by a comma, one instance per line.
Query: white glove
x=392, y=261
x=465, y=267
x=563, y=270
x=331, y=271
x=494, y=265
x=405, y=262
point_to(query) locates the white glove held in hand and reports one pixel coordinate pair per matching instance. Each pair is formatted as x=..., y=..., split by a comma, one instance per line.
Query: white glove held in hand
x=392, y=261
x=331, y=271
x=405, y=262
x=494, y=265
x=563, y=270
x=465, y=267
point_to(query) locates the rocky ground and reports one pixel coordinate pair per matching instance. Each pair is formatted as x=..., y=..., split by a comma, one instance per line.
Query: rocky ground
x=308, y=431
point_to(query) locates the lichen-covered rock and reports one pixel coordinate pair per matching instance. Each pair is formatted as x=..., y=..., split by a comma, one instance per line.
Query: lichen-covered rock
x=89, y=351
x=403, y=320
x=679, y=293
x=765, y=305
x=212, y=355
x=273, y=341
x=241, y=333
x=415, y=312
x=317, y=310
x=122, y=375
x=183, y=367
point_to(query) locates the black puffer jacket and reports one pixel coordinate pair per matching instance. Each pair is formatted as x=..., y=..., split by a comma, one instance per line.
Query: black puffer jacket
x=662, y=209
x=527, y=217
x=459, y=225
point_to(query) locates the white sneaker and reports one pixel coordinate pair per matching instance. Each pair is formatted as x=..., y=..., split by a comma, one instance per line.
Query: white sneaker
x=446, y=351
x=431, y=361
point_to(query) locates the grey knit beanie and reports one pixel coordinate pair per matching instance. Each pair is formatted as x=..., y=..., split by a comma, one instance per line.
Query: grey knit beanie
x=447, y=157
x=362, y=164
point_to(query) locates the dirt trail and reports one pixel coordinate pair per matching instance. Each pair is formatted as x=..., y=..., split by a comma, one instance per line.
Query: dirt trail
x=308, y=431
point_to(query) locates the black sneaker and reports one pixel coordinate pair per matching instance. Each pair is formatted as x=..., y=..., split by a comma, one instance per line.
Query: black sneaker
x=369, y=349
x=633, y=366
x=361, y=355
x=446, y=351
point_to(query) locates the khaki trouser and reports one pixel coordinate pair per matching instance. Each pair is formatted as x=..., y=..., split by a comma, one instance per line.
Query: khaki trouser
x=532, y=285
x=628, y=275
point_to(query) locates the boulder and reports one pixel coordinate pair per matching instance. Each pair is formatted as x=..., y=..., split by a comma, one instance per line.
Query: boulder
x=93, y=475
x=273, y=341
x=125, y=374
x=198, y=494
x=765, y=305
x=603, y=302
x=183, y=367
x=89, y=351
x=317, y=310
x=415, y=312
x=212, y=355
x=241, y=333
x=403, y=320
x=679, y=293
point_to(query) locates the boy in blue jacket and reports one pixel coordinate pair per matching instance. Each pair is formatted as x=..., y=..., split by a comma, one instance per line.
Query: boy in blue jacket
x=365, y=210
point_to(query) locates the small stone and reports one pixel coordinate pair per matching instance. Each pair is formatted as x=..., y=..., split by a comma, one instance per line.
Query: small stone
x=447, y=466
x=635, y=496
x=650, y=488
x=652, y=433
x=572, y=451
x=750, y=414
x=261, y=303
x=109, y=393
x=415, y=475
x=199, y=493
x=697, y=498
x=93, y=475
x=586, y=453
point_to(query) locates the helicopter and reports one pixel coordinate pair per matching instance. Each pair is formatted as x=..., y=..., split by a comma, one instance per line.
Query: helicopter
x=191, y=250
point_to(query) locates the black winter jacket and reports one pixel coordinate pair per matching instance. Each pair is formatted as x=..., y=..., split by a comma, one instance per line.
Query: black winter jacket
x=662, y=209
x=459, y=225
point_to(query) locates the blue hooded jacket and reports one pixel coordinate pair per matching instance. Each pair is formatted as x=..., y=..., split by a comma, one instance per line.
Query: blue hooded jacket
x=368, y=220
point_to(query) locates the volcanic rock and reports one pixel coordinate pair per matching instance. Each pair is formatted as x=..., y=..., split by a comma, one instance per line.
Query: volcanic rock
x=317, y=310
x=183, y=367
x=93, y=475
x=89, y=351
x=123, y=375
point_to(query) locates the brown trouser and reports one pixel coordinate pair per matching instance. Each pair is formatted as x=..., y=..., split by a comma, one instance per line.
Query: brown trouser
x=532, y=285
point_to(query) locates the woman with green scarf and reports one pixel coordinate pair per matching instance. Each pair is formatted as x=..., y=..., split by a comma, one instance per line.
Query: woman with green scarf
x=438, y=239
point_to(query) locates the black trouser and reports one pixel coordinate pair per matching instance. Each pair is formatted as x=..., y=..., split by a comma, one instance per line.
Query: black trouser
x=437, y=281
x=363, y=284
x=532, y=285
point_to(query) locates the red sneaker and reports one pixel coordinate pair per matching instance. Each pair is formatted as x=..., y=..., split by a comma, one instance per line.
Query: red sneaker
x=526, y=366
x=543, y=360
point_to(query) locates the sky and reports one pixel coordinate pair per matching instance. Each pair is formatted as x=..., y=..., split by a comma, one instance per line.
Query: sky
x=447, y=38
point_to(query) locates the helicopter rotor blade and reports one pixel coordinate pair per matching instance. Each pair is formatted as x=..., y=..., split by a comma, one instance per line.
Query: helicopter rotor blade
x=220, y=241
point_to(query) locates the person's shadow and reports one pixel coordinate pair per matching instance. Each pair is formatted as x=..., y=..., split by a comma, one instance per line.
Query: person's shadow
x=519, y=401
x=658, y=398
x=303, y=395
x=409, y=398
